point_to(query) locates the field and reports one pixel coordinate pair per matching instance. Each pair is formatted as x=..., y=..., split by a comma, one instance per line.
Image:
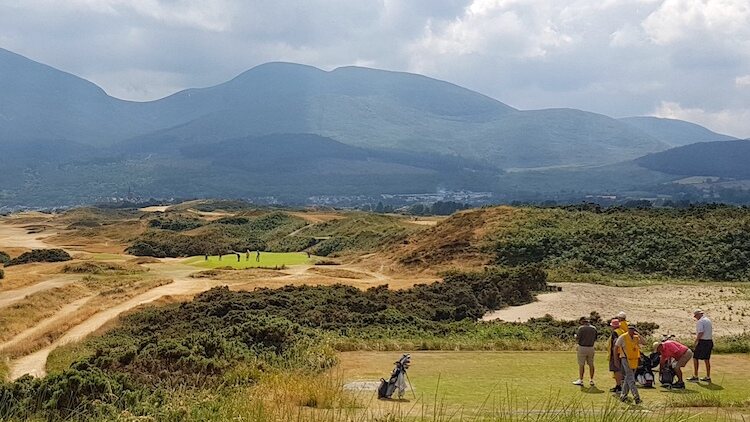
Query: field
x=265, y=260
x=266, y=354
x=483, y=382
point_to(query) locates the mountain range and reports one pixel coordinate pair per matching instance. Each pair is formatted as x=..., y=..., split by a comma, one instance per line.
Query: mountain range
x=348, y=130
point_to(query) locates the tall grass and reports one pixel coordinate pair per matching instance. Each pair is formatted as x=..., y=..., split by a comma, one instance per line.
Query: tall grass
x=307, y=397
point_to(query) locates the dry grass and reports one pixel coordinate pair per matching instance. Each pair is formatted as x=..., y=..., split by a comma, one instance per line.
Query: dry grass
x=18, y=276
x=456, y=241
x=29, y=311
x=232, y=274
x=339, y=273
x=115, y=291
x=95, y=267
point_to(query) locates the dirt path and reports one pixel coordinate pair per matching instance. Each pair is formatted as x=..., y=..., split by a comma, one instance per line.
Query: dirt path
x=669, y=306
x=34, y=363
x=155, y=208
x=44, y=325
x=9, y=297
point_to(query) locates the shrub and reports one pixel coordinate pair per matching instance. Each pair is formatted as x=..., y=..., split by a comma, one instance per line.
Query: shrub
x=2, y=274
x=177, y=225
x=4, y=258
x=40, y=255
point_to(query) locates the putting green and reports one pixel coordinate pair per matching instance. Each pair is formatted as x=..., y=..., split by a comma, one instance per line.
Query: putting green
x=486, y=382
x=265, y=259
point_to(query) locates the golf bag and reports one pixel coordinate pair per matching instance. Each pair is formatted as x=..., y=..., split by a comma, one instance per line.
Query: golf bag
x=644, y=374
x=396, y=381
x=667, y=375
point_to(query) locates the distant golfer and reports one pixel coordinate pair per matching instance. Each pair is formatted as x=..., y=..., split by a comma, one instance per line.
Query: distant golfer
x=628, y=348
x=257, y=256
x=704, y=344
x=585, y=337
x=247, y=255
x=238, y=257
x=675, y=354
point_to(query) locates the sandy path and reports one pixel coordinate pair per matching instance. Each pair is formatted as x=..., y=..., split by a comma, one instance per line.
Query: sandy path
x=34, y=363
x=9, y=297
x=17, y=237
x=669, y=306
x=155, y=208
x=44, y=325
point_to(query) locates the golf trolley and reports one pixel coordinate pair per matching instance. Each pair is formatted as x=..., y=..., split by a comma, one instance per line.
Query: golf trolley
x=397, y=380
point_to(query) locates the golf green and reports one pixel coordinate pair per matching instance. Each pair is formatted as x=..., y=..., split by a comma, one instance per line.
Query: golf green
x=264, y=259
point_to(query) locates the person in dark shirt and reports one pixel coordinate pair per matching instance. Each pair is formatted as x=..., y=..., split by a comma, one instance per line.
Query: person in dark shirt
x=585, y=337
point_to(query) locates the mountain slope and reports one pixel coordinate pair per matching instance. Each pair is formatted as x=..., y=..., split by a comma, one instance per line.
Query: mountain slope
x=363, y=107
x=723, y=159
x=38, y=102
x=675, y=132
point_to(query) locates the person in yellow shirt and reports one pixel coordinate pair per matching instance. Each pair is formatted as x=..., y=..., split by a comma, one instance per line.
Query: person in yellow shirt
x=628, y=349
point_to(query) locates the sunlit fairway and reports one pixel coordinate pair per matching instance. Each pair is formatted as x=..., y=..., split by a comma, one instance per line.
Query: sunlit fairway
x=485, y=382
x=266, y=259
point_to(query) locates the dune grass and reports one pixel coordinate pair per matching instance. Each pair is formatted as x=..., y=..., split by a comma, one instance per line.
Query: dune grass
x=27, y=312
x=266, y=260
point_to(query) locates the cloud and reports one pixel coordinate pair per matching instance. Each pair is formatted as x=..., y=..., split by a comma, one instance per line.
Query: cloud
x=742, y=81
x=734, y=121
x=616, y=57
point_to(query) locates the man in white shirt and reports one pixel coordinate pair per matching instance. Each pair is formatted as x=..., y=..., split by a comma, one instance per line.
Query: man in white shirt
x=704, y=344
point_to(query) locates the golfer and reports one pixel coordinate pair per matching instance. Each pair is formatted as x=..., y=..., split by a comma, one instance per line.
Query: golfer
x=675, y=354
x=585, y=336
x=628, y=348
x=704, y=344
x=614, y=367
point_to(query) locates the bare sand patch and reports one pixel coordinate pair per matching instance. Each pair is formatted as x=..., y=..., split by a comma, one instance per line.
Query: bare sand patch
x=670, y=306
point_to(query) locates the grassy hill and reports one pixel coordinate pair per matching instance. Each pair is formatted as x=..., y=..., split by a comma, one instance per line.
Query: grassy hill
x=675, y=132
x=723, y=159
x=708, y=243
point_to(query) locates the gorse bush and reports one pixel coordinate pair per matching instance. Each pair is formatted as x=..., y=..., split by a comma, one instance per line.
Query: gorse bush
x=175, y=224
x=218, y=237
x=40, y=255
x=709, y=242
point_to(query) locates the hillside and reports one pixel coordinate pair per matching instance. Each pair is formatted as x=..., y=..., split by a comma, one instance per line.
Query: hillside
x=675, y=132
x=590, y=243
x=363, y=107
x=723, y=159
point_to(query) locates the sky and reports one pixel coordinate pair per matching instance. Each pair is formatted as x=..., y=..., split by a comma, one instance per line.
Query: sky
x=683, y=59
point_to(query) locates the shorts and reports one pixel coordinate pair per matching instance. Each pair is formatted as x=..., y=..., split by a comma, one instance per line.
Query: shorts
x=683, y=360
x=612, y=366
x=703, y=350
x=586, y=355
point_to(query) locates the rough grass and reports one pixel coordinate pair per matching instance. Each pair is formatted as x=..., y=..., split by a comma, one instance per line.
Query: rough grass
x=113, y=290
x=339, y=273
x=92, y=267
x=267, y=260
x=25, y=313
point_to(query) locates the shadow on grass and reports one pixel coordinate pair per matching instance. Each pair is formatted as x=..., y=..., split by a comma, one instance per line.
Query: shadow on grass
x=711, y=387
x=591, y=390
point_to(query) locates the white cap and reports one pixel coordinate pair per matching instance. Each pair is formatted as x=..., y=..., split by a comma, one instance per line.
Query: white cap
x=698, y=311
x=621, y=315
